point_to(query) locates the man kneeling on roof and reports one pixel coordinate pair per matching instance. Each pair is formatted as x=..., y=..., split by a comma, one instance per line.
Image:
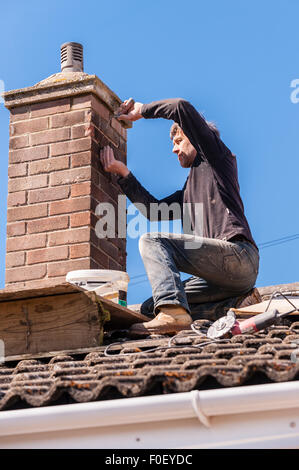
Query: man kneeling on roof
x=221, y=255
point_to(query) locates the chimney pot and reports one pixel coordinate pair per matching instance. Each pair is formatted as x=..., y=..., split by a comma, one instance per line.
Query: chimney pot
x=71, y=54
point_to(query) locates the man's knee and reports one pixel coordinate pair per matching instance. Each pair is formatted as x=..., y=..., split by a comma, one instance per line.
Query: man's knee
x=146, y=240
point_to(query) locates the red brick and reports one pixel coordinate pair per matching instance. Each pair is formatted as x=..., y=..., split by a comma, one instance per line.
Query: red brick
x=48, y=194
x=67, y=119
x=94, y=176
x=19, y=142
x=86, y=130
x=75, y=175
x=64, y=237
x=108, y=188
x=105, y=134
x=101, y=196
x=105, y=245
x=16, y=199
x=47, y=254
x=25, y=273
x=27, y=212
x=15, y=259
x=117, y=126
x=93, y=219
x=124, y=133
x=19, y=169
x=50, y=107
x=98, y=256
x=29, y=126
x=72, y=146
x=100, y=108
x=32, y=182
x=45, y=282
x=19, y=114
x=48, y=224
x=26, y=242
x=80, y=219
x=49, y=136
x=94, y=265
x=70, y=205
x=90, y=101
x=108, y=247
x=80, y=102
x=16, y=228
x=114, y=265
x=80, y=189
x=81, y=159
x=28, y=154
x=80, y=251
x=120, y=243
x=63, y=267
x=49, y=165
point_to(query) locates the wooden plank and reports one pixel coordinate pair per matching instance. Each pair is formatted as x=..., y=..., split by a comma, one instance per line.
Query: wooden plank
x=267, y=291
x=50, y=354
x=58, y=317
x=120, y=317
x=48, y=323
x=123, y=315
x=84, y=351
x=281, y=305
x=13, y=293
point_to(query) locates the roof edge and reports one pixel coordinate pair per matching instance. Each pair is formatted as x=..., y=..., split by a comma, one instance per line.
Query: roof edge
x=202, y=405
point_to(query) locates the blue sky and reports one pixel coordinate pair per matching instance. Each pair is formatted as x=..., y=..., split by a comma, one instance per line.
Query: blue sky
x=234, y=60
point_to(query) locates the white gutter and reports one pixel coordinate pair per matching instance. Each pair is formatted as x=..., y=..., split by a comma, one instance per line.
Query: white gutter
x=196, y=404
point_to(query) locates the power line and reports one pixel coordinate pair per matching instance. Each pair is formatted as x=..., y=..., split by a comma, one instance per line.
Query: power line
x=139, y=275
x=282, y=238
x=139, y=282
x=278, y=241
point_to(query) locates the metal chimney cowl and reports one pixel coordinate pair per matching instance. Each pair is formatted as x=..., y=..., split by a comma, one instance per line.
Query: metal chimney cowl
x=71, y=57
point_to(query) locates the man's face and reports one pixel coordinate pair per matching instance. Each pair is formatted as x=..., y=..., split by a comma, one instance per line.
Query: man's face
x=183, y=148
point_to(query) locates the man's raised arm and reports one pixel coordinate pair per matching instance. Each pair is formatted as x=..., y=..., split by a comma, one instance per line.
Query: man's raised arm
x=190, y=121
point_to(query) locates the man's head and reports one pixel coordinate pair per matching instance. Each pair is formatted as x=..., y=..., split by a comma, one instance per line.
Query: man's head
x=182, y=146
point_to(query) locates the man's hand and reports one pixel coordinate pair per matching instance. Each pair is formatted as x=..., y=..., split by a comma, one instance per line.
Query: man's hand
x=110, y=164
x=129, y=111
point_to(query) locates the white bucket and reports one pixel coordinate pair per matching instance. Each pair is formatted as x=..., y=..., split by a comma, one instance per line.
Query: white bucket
x=112, y=285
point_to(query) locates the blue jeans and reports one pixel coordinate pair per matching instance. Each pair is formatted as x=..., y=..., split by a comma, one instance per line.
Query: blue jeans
x=221, y=271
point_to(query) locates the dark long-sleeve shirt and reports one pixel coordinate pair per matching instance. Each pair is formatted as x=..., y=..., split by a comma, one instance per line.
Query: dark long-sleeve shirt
x=212, y=181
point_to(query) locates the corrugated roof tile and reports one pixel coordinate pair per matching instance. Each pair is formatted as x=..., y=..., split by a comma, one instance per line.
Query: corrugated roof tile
x=152, y=365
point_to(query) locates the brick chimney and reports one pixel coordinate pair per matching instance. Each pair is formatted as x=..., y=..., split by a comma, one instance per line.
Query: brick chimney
x=55, y=180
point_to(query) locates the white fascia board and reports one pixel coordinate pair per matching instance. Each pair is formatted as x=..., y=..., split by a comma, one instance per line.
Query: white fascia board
x=210, y=412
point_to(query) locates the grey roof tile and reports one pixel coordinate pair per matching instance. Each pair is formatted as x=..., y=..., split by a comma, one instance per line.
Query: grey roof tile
x=152, y=365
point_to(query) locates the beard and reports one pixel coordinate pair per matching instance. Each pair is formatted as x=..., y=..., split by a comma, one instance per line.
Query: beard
x=185, y=161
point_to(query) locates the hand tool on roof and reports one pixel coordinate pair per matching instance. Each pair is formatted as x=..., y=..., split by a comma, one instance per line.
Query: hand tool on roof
x=126, y=106
x=230, y=325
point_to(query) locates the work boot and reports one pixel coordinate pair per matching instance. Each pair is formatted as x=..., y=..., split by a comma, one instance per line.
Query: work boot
x=251, y=298
x=170, y=320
